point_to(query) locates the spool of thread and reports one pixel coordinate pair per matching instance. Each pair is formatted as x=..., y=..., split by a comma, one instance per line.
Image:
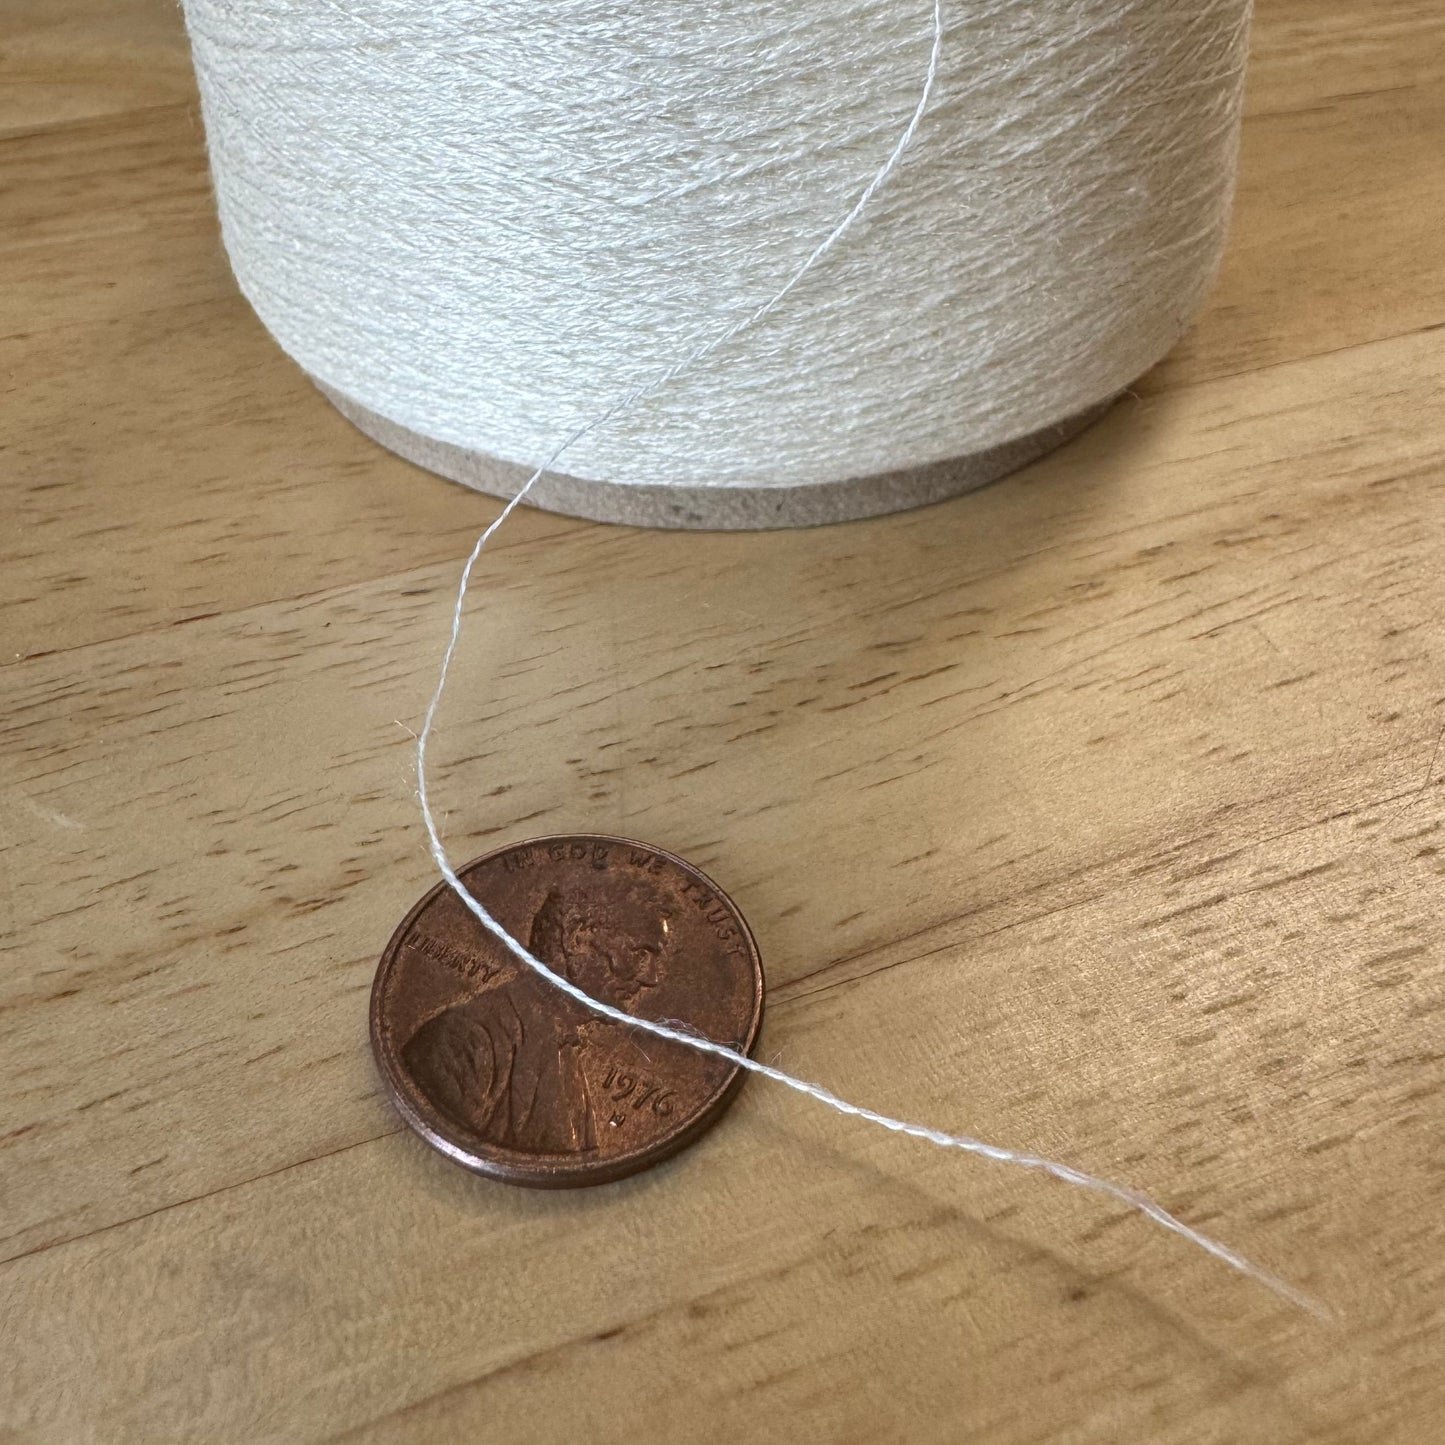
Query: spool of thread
x=478, y=223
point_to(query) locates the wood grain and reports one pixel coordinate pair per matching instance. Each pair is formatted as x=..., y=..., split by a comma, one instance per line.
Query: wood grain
x=1099, y=812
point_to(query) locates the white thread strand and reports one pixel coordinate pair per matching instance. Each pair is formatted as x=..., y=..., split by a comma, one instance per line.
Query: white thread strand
x=1132, y=1198
x=1185, y=52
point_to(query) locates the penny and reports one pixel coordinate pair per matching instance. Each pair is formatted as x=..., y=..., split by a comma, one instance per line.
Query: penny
x=504, y=1073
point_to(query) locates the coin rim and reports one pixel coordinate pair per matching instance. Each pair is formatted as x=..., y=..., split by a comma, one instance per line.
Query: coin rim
x=517, y=1167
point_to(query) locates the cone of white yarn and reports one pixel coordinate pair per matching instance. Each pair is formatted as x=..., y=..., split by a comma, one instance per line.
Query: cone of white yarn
x=478, y=223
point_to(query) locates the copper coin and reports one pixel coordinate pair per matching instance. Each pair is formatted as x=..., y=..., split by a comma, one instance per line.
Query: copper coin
x=507, y=1075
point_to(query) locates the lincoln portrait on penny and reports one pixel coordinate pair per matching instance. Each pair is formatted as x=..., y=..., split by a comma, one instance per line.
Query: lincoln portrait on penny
x=510, y=1063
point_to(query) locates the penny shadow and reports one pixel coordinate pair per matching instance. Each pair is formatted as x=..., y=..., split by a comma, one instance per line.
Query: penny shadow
x=895, y=1195
x=872, y=1217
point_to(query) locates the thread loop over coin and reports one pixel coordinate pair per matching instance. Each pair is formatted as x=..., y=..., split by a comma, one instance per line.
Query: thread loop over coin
x=513, y=1080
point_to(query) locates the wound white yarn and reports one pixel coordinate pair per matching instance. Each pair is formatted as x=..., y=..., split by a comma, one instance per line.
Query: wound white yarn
x=626, y=404
x=486, y=220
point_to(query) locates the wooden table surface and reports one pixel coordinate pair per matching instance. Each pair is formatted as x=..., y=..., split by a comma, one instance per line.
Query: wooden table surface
x=1098, y=813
